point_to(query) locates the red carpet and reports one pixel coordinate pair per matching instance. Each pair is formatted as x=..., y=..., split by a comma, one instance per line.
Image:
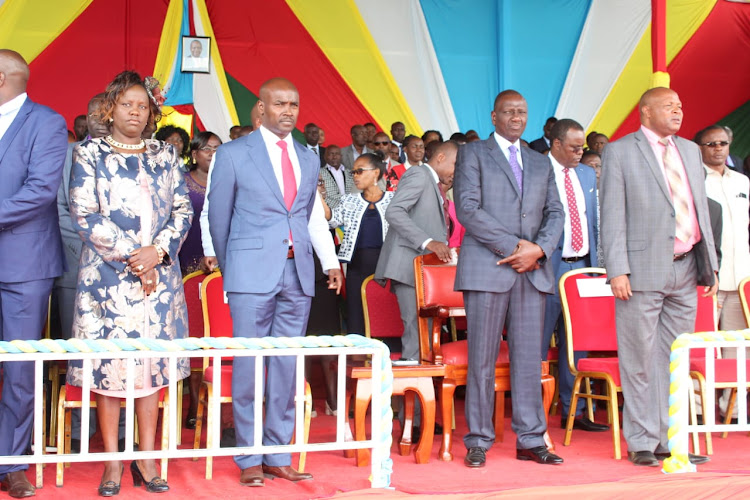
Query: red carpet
x=589, y=469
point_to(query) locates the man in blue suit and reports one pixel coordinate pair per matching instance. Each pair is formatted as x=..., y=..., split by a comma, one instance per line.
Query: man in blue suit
x=265, y=219
x=576, y=249
x=33, y=140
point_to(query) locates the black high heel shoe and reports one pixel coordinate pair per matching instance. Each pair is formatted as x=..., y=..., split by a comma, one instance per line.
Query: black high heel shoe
x=110, y=488
x=156, y=485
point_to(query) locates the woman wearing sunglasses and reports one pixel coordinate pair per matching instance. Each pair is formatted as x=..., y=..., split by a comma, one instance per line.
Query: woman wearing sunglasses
x=362, y=217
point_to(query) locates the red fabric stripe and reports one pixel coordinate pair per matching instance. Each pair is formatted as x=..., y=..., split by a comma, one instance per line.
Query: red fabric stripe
x=261, y=40
x=191, y=19
x=107, y=38
x=659, y=34
x=712, y=72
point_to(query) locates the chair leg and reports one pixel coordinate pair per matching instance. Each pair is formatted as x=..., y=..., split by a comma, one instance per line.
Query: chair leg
x=548, y=391
x=180, y=397
x=572, y=411
x=555, y=372
x=60, y=436
x=406, y=442
x=589, y=401
x=730, y=410
x=362, y=397
x=165, y=434
x=426, y=393
x=694, y=418
x=209, y=428
x=347, y=406
x=54, y=375
x=614, y=416
x=499, y=416
x=448, y=387
x=199, y=418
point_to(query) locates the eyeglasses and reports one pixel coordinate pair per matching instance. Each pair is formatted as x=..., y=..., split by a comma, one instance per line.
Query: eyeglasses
x=716, y=143
x=383, y=143
x=320, y=182
x=208, y=149
x=359, y=171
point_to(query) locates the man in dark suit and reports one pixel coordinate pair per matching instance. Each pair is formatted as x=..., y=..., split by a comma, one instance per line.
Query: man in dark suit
x=33, y=140
x=416, y=226
x=658, y=247
x=576, y=248
x=545, y=141
x=265, y=219
x=357, y=148
x=312, y=136
x=507, y=200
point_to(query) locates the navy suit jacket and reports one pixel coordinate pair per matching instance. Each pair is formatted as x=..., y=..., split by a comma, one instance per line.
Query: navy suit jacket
x=249, y=221
x=32, y=153
x=587, y=178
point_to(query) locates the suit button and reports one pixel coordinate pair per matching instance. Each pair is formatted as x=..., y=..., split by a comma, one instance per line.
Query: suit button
x=286, y=242
x=672, y=214
x=523, y=215
x=290, y=216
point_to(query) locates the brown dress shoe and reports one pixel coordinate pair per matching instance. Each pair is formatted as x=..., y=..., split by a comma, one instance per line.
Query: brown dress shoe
x=285, y=472
x=252, y=476
x=17, y=486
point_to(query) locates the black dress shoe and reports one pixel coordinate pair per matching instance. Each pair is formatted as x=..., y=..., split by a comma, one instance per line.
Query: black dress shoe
x=540, y=455
x=110, y=488
x=584, y=424
x=156, y=485
x=475, y=457
x=645, y=458
x=17, y=485
x=694, y=459
x=190, y=422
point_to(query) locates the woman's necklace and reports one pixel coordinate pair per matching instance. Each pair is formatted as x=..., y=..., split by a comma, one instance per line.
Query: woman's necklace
x=121, y=145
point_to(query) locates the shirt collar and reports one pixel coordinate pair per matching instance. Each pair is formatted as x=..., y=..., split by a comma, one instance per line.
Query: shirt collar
x=505, y=143
x=711, y=171
x=13, y=105
x=272, y=139
x=432, y=172
x=653, y=138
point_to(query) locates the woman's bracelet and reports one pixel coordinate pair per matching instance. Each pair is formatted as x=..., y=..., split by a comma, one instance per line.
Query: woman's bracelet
x=159, y=253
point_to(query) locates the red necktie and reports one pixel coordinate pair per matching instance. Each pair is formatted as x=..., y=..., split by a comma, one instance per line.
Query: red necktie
x=576, y=236
x=287, y=173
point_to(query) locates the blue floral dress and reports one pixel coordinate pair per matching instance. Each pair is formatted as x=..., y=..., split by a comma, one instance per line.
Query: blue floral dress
x=113, y=196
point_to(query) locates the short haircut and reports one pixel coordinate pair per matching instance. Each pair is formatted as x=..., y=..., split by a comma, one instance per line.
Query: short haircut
x=445, y=147
x=560, y=129
x=506, y=93
x=440, y=136
x=551, y=119
x=458, y=136
x=310, y=125
x=351, y=130
x=698, y=139
x=408, y=140
x=590, y=152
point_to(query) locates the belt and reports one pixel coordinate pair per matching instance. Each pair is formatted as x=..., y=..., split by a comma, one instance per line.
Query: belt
x=680, y=256
x=570, y=260
x=290, y=253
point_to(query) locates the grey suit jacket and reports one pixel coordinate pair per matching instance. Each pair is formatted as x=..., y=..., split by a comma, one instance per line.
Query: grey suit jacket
x=347, y=155
x=637, y=215
x=496, y=216
x=72, y=243
x=249, y=221
x=414, y=215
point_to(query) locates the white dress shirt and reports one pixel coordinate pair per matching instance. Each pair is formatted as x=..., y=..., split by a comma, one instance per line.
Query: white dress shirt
x=9, y=111
x=505, y=144
x=436, y=179
x=338, y=176
x=567, y=251
x=315, y=149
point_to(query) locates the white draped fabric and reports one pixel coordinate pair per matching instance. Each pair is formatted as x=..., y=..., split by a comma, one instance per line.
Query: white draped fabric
x=406, y=46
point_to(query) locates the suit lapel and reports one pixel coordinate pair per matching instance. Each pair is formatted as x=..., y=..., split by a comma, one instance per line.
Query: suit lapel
x=259, y=155
x=652, y=162
x=694, y=175
x=499, y=158
x=15, y=126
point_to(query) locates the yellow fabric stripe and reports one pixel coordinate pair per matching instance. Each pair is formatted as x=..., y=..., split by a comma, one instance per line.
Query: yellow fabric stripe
x=168, y=43
x=29, y=27
x=684, y=17
x=170, y=116
x=341, y=33
x=218, y=65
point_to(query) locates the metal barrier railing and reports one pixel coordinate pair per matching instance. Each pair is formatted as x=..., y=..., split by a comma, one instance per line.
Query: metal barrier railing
x=681, y=389
x=215, y=348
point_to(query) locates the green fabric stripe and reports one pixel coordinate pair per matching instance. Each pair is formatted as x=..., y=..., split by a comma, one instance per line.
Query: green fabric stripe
x=739, y=121
x=244, y=100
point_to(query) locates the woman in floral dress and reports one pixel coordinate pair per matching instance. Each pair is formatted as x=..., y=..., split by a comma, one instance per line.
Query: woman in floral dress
x=129, y=204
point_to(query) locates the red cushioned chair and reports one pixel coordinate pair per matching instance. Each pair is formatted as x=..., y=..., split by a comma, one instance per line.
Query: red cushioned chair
x=218, y=323
x=590, y=326
x=71, y=397
x=192, y=286
x=436, y=299
x=744, y=290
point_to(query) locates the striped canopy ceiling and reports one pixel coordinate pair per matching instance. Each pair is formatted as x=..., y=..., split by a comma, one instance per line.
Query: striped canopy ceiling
x=432, y=64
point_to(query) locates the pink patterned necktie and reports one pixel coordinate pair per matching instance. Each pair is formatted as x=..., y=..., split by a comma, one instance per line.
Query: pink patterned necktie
x=680, y=200
x=515, y=167
x=576, y=234
x=287, y=174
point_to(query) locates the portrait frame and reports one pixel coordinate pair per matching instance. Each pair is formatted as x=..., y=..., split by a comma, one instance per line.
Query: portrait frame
x=192, y=64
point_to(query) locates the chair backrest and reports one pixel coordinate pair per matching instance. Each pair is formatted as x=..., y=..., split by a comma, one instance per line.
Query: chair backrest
x=744, y=290
x=588, y=310
x=434, y=282
x=380, y=308
x=217, y=318
x=706, y=317
x=192, y=286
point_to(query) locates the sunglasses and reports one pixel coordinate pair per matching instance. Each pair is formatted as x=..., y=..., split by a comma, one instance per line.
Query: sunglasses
x=359, y=171
x=716, y=143
x=383, y=143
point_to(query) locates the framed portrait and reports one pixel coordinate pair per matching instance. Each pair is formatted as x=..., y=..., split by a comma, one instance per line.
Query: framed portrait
x=196, y=54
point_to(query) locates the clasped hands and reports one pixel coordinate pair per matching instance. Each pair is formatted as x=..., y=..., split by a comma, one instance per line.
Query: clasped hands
x=142, y=264
x=524, y=258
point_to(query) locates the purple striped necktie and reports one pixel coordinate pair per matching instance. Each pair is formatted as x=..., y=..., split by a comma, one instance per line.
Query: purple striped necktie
x=515, y=167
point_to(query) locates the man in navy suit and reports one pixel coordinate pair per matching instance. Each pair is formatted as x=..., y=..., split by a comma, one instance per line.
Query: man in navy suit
x=33, y=141
x=577, y=246
x=265, y=219
x=507, y=200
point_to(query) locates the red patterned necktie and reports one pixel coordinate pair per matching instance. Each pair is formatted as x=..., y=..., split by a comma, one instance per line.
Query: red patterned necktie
x=576, y=234
x=287, y=173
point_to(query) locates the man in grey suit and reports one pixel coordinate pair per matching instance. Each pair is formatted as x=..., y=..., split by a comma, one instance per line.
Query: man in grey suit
x=356, y=148
x=658, y=247
x=513, y=218
x=416, y=226
x=265, y=219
